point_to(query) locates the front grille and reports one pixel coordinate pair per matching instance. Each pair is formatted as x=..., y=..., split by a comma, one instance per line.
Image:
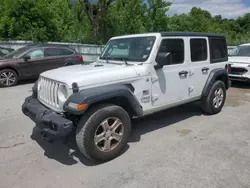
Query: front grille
x=237, y=71
x=47, y=92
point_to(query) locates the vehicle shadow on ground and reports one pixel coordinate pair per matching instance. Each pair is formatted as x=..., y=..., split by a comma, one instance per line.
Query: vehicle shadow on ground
x=163, y=119
x=24, y=82
x=240, y=85
x=69, y=154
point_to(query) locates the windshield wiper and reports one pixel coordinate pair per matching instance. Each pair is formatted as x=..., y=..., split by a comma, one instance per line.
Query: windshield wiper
x=125, y=61
x=107, y=59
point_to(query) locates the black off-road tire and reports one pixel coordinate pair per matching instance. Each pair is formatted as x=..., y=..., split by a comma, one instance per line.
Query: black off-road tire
x=207, y=102
x=89, y=123
x=14, y=74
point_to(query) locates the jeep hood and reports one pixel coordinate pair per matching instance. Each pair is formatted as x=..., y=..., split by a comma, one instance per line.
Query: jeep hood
x=92, y=74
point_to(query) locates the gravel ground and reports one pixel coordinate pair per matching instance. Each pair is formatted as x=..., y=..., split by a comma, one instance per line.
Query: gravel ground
x=175, y=148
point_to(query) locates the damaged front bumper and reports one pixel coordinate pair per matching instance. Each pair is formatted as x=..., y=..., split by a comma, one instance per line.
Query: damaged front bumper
x=51, y=124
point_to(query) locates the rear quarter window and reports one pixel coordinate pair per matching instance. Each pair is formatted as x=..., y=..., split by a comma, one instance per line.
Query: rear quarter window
x=218, y=50
x=65, y=51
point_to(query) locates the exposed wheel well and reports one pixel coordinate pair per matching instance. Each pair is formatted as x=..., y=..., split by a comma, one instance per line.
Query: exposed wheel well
x=119, y=101
x=11, y=68
x=68, y=63
x=223, y=78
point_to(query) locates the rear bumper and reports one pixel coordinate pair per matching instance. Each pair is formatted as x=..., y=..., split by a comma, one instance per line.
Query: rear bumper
x=52, y=125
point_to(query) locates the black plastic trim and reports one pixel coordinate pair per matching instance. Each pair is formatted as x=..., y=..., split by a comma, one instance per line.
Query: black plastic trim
x=75, y=87
x=99, y=94
x=46, y=119
x=214, y=74
x=240, y=79
x=200, y=34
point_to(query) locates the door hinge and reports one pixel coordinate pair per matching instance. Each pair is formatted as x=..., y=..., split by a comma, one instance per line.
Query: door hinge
x=154, y=79
x=154, y=98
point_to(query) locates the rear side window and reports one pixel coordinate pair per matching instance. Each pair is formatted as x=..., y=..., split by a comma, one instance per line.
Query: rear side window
x=198, y=49
x=175, y=47
x=48, y=52
x=218, y=50
x=64, y=51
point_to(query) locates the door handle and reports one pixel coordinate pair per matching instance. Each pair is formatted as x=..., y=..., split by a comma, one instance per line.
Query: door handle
x=205, y=69
x=183, y=73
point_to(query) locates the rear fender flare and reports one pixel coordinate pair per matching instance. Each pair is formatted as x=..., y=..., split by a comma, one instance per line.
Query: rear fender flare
x=216, y=74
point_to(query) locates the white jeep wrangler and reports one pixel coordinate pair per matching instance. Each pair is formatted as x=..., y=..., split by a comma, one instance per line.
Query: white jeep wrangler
x=136, y=75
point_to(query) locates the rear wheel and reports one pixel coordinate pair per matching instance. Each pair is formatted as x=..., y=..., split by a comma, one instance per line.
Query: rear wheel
x=8, y=78
x=103, y=134
x=214, y=101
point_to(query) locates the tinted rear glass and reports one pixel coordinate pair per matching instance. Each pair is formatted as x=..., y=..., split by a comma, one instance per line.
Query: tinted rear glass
x=51, y=52
x=218, y=50
x=198, y=49
x=64, y=51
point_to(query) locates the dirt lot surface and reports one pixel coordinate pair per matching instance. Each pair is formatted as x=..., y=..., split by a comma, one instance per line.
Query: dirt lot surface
x=180, y=147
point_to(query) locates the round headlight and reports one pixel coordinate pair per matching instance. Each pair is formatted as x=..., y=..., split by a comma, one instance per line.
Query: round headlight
x=62, y=93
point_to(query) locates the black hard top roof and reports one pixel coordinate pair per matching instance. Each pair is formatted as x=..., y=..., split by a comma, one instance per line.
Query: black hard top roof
x=187, y=34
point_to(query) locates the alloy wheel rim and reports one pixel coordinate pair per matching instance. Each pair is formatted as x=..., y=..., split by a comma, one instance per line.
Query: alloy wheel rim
x=108, y=134
x=218, y=97
x=7, y=78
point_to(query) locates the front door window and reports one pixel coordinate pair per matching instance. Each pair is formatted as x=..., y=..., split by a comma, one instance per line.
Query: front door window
x=38, y=53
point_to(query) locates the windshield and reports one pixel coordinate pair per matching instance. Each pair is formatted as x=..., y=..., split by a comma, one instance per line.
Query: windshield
x=240, y=51
x=16, y=53
x=129, y=49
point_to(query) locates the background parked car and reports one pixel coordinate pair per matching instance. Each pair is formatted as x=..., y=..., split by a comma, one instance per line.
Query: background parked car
x=239, y=59
x=29, y=61
x=5, y=51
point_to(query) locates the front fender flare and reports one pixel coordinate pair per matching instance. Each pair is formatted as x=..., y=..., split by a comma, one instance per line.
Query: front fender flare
x=95, y=95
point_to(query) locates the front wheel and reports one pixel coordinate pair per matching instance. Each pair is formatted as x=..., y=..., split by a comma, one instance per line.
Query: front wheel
x=214, y=101
x=103, y=133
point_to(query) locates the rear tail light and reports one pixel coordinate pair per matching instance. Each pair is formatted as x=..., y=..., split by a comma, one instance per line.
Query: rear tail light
x=80, y=58
x=228, y=67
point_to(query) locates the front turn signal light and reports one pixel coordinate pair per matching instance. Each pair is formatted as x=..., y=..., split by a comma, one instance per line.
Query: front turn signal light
x=81, y=106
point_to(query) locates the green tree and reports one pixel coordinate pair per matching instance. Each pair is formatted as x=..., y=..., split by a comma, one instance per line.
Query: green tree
x=126, y=17
x=95, y=21
x=156, y=11
x=27, y=20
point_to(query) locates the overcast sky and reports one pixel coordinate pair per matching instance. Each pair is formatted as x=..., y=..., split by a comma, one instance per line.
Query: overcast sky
x=226, y=8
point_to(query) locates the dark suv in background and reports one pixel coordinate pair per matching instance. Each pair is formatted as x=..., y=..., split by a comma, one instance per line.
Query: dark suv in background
x=29, y=61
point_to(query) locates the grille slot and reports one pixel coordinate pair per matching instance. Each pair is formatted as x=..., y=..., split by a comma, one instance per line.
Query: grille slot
x=237, y=71
x=47, y=92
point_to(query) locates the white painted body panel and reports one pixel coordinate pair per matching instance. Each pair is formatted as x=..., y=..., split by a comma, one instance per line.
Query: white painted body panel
x=89, y=75
x=167, y=86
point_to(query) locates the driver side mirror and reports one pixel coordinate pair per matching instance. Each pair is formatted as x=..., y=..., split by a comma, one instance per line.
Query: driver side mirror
x=26, y=58
x=163, y=59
